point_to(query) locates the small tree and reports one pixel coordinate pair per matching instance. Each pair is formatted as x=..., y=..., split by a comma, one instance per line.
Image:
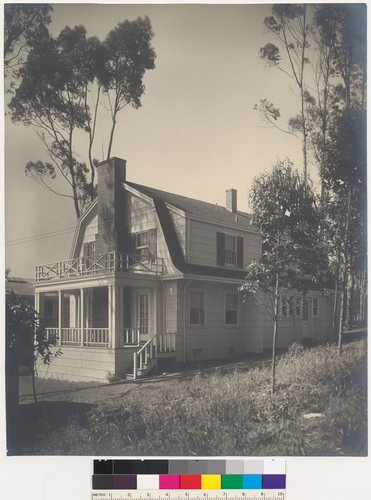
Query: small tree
x=26, y=339
x=284, y=213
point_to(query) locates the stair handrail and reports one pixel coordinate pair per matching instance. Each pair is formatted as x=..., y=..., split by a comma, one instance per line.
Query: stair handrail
x=137, y=355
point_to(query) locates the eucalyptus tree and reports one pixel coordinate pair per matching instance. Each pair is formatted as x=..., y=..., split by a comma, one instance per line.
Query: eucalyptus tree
x=61, y=86
x=24, y=24
x=129, y=55
x=289, y=25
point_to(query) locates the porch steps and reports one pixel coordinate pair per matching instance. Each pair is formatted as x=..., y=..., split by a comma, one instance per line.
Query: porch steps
x=145, y=370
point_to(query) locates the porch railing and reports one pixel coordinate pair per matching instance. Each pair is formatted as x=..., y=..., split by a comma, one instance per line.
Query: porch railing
x=161, y=342
x=95, y=337
x=130, y=336
x=99, y=264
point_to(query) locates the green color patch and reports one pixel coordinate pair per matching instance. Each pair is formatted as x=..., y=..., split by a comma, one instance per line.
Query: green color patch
x=232, y=482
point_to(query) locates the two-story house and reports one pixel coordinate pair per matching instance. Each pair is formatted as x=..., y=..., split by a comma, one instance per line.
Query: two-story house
x=155, y=275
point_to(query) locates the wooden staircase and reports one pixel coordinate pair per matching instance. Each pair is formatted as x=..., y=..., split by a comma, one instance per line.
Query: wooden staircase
x=145, y=359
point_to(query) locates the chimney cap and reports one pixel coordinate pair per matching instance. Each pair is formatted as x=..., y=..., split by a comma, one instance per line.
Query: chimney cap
x=113, y=159
x=231, y=200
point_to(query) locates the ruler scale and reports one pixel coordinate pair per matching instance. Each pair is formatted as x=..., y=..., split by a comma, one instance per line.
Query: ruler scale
x=192, y=479
x=189, y=495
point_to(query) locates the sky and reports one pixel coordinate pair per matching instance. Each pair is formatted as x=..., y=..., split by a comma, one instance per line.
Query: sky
x=197, y=133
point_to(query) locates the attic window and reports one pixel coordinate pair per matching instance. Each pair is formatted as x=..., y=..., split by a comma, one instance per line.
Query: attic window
x=145, y=245
x=229, y=250
x=141, y=246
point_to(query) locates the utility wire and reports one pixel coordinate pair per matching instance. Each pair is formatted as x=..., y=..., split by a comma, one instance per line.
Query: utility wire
x=51, y=234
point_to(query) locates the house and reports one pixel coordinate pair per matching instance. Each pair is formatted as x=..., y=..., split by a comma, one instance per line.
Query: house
x=20, y=286
x=155, y=275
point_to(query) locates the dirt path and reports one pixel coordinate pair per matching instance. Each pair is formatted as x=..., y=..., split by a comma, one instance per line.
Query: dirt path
x=111, y=394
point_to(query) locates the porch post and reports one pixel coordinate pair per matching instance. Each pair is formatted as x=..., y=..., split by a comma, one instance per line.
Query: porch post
x=82, y=316
x=112, y=315
x=60, y=300
x=120, y=316
x=37, y=302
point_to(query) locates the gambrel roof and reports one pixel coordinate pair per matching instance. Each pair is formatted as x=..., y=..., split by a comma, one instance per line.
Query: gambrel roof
x=197, y=208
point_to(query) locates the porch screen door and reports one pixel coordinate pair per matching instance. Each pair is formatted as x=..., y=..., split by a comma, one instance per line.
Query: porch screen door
x=143, y=315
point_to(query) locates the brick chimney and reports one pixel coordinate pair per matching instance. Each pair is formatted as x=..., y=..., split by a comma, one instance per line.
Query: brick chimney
x=111, y=206
x=231, y=200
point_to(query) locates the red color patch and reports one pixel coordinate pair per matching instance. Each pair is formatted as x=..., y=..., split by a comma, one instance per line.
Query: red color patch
x=190, y=482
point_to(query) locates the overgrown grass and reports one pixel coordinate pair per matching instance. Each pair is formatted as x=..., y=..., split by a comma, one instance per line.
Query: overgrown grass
x=234, y=413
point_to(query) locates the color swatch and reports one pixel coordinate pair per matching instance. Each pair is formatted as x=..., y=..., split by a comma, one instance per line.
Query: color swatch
x=189, y=474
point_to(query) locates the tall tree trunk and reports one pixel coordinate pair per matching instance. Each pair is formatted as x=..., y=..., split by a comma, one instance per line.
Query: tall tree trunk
x=32, y=369
x=335, y=308
x=275, y=330
x=351, y=303
x=345, y=276
x=111, y=135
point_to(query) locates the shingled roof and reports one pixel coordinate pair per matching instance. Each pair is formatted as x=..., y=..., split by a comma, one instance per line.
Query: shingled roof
x=20, y=286
x=197, y=208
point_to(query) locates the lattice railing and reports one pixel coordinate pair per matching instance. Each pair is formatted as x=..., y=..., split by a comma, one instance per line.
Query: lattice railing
x=106, y=263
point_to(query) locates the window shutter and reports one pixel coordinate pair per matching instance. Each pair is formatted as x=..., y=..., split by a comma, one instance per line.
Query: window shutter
x=239, y=251
x=220, y=247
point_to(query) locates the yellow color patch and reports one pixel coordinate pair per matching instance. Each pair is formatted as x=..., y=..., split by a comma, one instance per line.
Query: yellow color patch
x=211, y=481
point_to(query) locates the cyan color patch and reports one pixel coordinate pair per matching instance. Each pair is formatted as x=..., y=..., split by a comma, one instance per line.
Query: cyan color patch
x=252, y=482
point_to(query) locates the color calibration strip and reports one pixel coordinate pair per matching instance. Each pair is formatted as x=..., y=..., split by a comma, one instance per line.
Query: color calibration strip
x=189, y=475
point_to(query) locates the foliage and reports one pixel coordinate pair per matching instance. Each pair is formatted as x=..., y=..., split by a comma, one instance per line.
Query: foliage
x=129, y=55
x=26, y=339
x=284, y=212
x=60, y=88
x=230, y=413
x=289, y=26
x=331, y=123
x=24, y=24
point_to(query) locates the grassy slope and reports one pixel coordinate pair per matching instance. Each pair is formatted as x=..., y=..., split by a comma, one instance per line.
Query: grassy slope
x=217, y=413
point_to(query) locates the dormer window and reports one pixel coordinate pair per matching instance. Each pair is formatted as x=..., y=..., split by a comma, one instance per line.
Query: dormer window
x=229, y=250
x=145, y=245
x=141, y=246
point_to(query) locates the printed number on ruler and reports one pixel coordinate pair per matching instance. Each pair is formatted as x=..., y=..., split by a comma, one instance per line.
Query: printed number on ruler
x=189, y=495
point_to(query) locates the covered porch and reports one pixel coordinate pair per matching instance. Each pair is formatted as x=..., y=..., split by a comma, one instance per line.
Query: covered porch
x=103, y=315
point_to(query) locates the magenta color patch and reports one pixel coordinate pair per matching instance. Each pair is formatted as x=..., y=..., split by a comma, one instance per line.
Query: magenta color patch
x=169, y=482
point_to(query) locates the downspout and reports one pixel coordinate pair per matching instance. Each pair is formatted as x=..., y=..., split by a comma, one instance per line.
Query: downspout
x=184, y=318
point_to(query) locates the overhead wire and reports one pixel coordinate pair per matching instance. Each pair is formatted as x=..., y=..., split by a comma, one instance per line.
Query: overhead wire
x=51, y=234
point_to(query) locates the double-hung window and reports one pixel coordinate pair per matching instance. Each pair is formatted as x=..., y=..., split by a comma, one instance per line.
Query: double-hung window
x=283, y=307
x=305, y=309
x=197, y=311
x=229, y=250
x=298, y=306
x=231, y=308
x=315, y=307
x=230, y=256
x=141, y=246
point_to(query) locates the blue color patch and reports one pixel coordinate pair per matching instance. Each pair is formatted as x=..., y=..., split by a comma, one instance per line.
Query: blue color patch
x=252, y=481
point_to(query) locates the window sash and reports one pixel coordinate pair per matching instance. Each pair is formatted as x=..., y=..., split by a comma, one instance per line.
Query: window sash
x=231, y=309
x=315, y=307
x=197, y=314
x=230, y=250
x=142, y=246
x=283, y=308
x=305, y=309
x=298, y=306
